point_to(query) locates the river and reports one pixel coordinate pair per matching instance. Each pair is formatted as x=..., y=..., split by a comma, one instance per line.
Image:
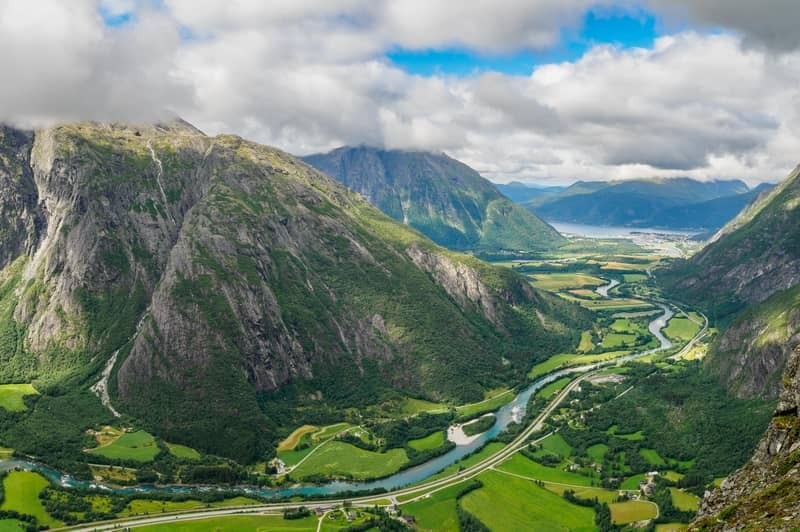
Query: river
x=409, y=476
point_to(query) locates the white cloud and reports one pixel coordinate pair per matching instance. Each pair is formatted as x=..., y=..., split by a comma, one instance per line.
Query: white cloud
x=309, y=76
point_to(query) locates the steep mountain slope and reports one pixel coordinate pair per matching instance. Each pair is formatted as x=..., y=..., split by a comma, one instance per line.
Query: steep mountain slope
x=753, y=264
x=678, y=203
x=444, y=199
x=747, y=279
x=214, y=277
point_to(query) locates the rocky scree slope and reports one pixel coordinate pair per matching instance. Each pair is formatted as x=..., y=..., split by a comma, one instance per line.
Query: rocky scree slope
x=441, y=197
x=216, y=277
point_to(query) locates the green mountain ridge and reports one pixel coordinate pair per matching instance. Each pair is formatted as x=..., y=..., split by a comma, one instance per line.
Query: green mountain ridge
x=224, y=285
x=748, y=280
x=673, y=203
x=443, y=198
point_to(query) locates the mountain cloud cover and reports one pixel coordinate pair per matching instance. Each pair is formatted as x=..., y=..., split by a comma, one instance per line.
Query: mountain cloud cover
x=311, y=75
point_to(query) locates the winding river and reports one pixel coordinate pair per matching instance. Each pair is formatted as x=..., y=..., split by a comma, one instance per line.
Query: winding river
x=505, y=415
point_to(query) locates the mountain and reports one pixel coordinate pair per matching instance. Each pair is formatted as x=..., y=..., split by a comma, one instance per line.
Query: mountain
x=678, y=203
x=215, y=287
x=748, y=279
x=444, y=199
x=524, y=193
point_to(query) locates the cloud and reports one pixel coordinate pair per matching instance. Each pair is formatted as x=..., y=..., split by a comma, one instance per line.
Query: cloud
x=772, y=24
x=312, y=75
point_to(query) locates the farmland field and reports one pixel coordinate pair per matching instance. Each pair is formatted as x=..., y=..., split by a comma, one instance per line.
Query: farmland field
x=632, y=483
x=684, y=500
x=553, y=388
x=339, y=458
x=602, y=495
x=291, y=441
x=437, y=511
x=561, y=281
x=682, y=329
x=523, y=503
x=138, y=446
x=11, y=396
x=182, y=451
x=494, y=400
x=432, y=441
x=631, y=511
x=597, y=451
x=556, y=444
x=22, y=495
x=652, y=457
x=519, y=465
x=586, y=343
x=410, y=406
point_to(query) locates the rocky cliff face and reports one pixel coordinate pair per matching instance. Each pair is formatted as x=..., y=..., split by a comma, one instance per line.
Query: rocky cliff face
x=745, y=280
x=443, y=198
x=755, y=262
x=765, y=494
x=207, y=276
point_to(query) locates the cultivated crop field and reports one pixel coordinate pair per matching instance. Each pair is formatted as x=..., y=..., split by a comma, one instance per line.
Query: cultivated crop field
x=523, y=503
x=431, y=441
x=562, y=281
x=11, y=396
x=339, y=458
x=22, y=490
x=139, y=446
x=632, y=511
x=239, y=523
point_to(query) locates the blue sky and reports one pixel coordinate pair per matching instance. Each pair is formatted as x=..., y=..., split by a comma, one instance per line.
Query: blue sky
x=624, y=28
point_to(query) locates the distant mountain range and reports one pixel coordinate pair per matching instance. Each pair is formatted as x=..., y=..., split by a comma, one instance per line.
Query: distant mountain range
x=444, y=199
x=677, y=203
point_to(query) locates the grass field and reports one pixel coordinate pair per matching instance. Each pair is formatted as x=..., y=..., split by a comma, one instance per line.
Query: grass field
x=291, y=441
x=551, y=364
x=138, y=446
x=431, y=441
x=672, y=476
x=11, y=396
x=585, y=293
x=597, y=451
x=339, y=458
x=437, y=511
x=561, y=281
x=632, y=483
x=602, y=495
x=22, y=495
x=553, y=388
x=632, y=436
x=681, y=329
x=614, y=304
x=672, y=527
x=113, y=473
x=10, y=525
x=6, y=452
x=519, y=465
x=410, y=406
x=329, y=431
x=684, y=500
x=556, y=445
x=633, y=277
x=523, y=503
x=149, y=507
x=586, y=343
x=182, y=451
x=614, y=340
x=652, y=457
x=494, y=400
x=632, y=511
x=238, y=523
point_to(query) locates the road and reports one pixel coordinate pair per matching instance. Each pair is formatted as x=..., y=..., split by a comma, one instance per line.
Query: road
x=424, y=488
x=520, y=441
